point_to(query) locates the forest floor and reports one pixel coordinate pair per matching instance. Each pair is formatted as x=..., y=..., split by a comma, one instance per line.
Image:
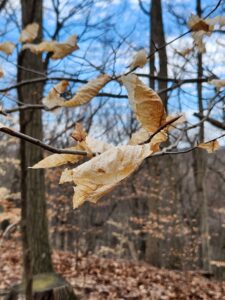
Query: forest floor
x=100, y=278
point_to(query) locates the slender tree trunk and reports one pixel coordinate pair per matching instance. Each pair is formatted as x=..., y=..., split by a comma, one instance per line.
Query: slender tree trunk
x=200, y=164
x=157, y=39
x=36, y=248
x=34, y=221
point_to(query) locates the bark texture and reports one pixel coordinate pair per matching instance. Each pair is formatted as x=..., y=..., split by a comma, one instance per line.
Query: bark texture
x=157, y=39
x=34, y=221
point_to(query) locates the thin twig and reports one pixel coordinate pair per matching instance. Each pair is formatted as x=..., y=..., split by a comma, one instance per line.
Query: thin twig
x=39, y=143
x=161, y=128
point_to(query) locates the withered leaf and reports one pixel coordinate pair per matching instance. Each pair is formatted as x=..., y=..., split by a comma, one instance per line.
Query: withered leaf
x=79, y=134
x=1, y=72
x=196, y=24
x=56, y=160
x=139, y=60
x=200, y=28
x=210, y=146
x=88, y=91
x=96, y=177
x=54, y=97
x=218, y=83
x=139, y=137
x=145, y=102
x=59, y=50
x=29, y=33
x=7, y=47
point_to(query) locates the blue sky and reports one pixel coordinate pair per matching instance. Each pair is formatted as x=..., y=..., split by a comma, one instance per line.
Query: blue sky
x=109, y=22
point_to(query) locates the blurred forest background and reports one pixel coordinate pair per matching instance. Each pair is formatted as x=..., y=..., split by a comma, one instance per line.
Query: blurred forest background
x=170, y=214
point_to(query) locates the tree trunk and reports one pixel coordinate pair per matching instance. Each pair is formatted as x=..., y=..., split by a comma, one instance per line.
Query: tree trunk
x=200, y=162
x=36, y=248
x=34, y=221
x=157, y=39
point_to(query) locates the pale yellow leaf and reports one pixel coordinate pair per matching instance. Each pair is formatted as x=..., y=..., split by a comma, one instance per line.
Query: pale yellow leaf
x=145, y=102
x=179, y=121
x=139, y=137
x=210, y=146
x=98, y=146
x=79, y=134
x=29, y=33
x=157, y=140
x=56, y=160
x=59, y=50
x=200, y=28
x=198, y=24
x=54, y=99
x=218, y=83
x=139, y=60
x=1, y=73
x=198, y=41
x=7, y=47
x=88, y=91
x=220, y=20
x=96, y=177
x=185, y=52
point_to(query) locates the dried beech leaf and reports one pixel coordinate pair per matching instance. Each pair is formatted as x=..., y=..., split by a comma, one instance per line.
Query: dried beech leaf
x=79, y=133
x=218, y=83
x=7, y=47
x=98, y=146
x=220, y=20
x=210, y=146
x=200, y=28
x=56, y=160
x=139, y=137
x=185, y=52
x=172, y=126
x=54, y=99
x=29, y=33
x=59, y=50
x=96, y=177
x=157, y=140
x=1, y=73
x=145, y=102
x=88, y=91
x=196, y=24
x=139, y=60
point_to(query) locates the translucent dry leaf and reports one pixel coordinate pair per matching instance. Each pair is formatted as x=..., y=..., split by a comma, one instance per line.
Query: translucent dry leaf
x=79, y=134
x=218, y=83
x=58, y=50
x=210, y=146
x=88, y=91
x=145, y=102
x=220, y=20
x=56, y=160
x=196, y=24
x=185, y=52
x=200, y=28
x=7, y=47
x=54, y=97
x=157, y=139
x=98, y=176
x=29, y=33
x=1, y=73
x=139, y=60
x=139, y=137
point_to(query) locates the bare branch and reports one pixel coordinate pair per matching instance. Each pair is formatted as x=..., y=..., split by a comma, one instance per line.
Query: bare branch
x=39, y=143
